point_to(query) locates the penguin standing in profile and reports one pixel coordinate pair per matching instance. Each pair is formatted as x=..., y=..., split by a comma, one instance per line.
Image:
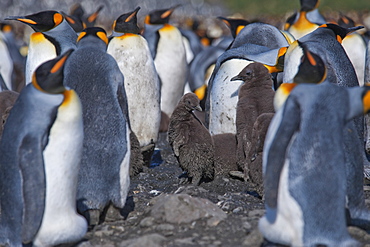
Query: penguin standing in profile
x=52, y=37
x=142, y=84
x=255, y=97
x=313, y=70
x=168, y=51
x=306, y=21
x=305, y=164
x=355, y=46
x=38, y=181
x=190, y=140
x=104, y=172
x=256, y=42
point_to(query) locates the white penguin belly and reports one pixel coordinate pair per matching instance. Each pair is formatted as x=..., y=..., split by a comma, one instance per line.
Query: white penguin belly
x=222, y=112
x=291, y=63
x=62, y=156
x=355, y=48
x=142, y=85
x=39, y=51
x=6, y=64
x=288, y=226
x=171, y=65
x=124, y=172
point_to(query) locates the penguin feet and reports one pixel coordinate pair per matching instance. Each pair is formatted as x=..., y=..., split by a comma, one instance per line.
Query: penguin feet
x=92, y=216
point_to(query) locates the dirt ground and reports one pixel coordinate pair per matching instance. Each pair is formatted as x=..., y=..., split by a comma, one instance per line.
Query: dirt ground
x=228, y=217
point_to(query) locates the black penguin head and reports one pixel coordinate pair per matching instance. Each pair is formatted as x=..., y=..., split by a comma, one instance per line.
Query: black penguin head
x=309, y=5
x=97, y=32
x=91, y=19
x=161, y=16
x=127, y=23
x=41, y=21
x=340, y=32
x=77, y=11
x=346, y=22
x=235, y=25
x=191, y=102
x=75, y=22
x=49, y=76
x=312, y=68
x=252, y=71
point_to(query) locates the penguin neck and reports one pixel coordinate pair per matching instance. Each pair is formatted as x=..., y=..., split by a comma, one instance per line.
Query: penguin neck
x=63, y=36
x=92, y=42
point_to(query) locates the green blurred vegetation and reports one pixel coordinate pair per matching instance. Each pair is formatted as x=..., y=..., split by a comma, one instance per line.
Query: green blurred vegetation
x=255, y=8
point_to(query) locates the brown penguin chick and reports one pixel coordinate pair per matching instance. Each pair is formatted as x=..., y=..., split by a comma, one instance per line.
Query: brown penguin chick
x=225, y=153
x=7, y=100
x=190, y=140
x=136, y=157
x=255, y=97
x=253, y=166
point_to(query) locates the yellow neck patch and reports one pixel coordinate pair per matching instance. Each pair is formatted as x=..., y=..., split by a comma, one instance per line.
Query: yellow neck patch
x=82, y=34
x=58, y=18
x=69, y=95
x=282, y=94
x=201, y=91
x=103, y=37
x=366, y=102
x=239, y=28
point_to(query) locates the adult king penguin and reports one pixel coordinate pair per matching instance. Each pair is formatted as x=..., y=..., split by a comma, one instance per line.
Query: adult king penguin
x=167, y=48
x=52, y=37
x=305, y=188
x=38, y=181
x=142, y=84
x=256, y=42
x=96, y=77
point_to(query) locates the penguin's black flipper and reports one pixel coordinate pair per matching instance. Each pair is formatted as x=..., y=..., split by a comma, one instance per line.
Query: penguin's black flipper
x=34, y=186
x=283, y=126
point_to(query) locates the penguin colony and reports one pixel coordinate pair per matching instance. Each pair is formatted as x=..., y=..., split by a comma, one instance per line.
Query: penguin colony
x=284, y=111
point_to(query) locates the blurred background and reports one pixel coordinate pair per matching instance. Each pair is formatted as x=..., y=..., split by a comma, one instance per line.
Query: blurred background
x=273, y=12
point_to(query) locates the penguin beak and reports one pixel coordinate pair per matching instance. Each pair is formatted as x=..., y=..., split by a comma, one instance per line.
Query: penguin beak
x=21, y=19
x=198, y=108
x=237, y=78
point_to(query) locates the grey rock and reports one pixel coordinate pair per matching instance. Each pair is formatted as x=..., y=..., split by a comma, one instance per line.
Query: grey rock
x=147, y=222
x=149, y=240
x=183, y=208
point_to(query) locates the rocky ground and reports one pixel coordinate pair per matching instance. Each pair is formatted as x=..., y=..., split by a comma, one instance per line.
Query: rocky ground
x=160, y=212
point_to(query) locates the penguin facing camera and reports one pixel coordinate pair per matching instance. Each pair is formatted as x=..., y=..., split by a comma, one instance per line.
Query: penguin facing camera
x=38, y=182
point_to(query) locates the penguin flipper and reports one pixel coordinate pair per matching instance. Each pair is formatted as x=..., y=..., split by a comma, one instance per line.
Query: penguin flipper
x=283, y=126
x=34, y=186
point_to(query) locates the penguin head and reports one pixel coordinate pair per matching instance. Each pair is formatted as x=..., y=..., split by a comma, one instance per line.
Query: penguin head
x=40, y=22
x=75, y=22
x=346, y=22
x=309, y=5
x=160, y=16
x=91, y=19
x=127, y=23
x=49, y=76
x=311, y=69
x=97, y=33
x=191, y=102
x=251, y=72
x=77, y=11
x=235, y=25
x=340, y=32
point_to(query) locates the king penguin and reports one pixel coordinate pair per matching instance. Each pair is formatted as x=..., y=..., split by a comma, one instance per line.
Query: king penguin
x=96, y=77
x=38, y=180
x=52, y=37
x=355, y=46
x=306, y=21
x=309, y=131
x=256, y=42
x=313, y=70
x=167, y=48
x=142, y=84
